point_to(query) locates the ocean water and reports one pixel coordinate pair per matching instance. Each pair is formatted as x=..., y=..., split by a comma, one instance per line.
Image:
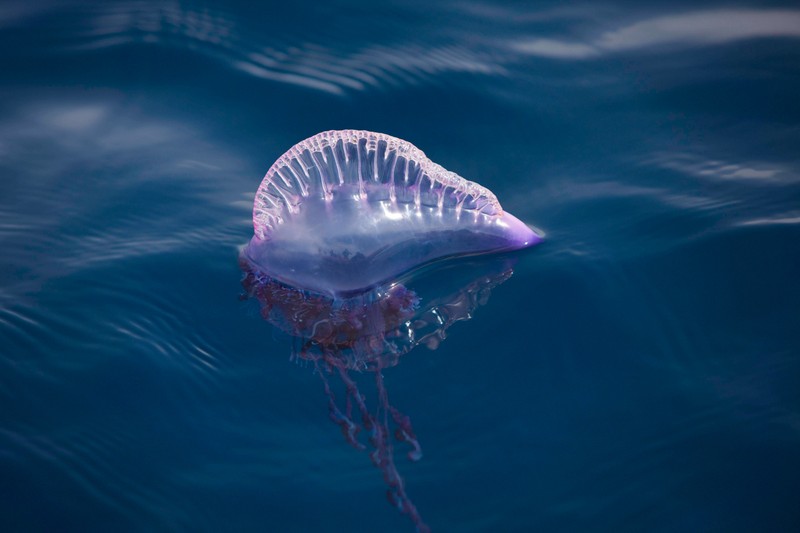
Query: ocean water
x=639, y=370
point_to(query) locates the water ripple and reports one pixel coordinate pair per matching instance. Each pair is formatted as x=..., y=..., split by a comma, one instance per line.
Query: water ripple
x=337, y=54
x=308, y=62
x=655, y=320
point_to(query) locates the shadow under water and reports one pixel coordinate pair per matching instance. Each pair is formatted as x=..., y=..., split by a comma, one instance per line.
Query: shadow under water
x=369, y=332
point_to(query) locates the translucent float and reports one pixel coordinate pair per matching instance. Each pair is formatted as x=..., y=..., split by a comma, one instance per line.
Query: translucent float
x=344, y=211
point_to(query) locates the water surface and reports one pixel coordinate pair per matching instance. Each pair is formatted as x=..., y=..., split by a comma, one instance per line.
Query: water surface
x=638, y=372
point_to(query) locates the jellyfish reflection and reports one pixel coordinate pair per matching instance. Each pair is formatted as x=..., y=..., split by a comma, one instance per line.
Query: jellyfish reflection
x=368, y=333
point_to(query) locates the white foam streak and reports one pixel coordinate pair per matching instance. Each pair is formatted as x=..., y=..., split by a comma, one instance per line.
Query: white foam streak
x=555, y=49
x=704, y=27
x=293, y=79
x=717, y=169
x=787, y=219
x=691, y=29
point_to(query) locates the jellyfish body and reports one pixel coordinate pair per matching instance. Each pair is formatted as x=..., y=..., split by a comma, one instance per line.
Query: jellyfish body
x=344, y=223
x=344, y=211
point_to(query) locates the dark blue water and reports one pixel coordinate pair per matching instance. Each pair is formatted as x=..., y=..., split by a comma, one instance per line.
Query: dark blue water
x=638, y=372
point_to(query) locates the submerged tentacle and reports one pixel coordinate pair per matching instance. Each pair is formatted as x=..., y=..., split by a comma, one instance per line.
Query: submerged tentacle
x=344, y=420
x=382, y=455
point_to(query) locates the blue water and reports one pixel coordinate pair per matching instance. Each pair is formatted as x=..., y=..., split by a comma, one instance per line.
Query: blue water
x=638, y=372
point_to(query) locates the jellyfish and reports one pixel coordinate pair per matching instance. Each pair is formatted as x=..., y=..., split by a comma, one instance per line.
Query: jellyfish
x=344, y=211
x=364, y=249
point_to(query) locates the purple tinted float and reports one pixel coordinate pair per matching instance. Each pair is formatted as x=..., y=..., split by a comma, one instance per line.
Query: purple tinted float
x=343, y=211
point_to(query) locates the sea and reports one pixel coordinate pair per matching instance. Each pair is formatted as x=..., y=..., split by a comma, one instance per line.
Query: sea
x=637, y=371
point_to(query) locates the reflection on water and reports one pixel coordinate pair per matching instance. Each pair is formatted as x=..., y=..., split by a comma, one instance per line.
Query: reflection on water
x=640, y=372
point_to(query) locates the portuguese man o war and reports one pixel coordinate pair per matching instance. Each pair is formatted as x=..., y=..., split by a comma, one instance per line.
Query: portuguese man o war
x=351, y=228
x=344, y=211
